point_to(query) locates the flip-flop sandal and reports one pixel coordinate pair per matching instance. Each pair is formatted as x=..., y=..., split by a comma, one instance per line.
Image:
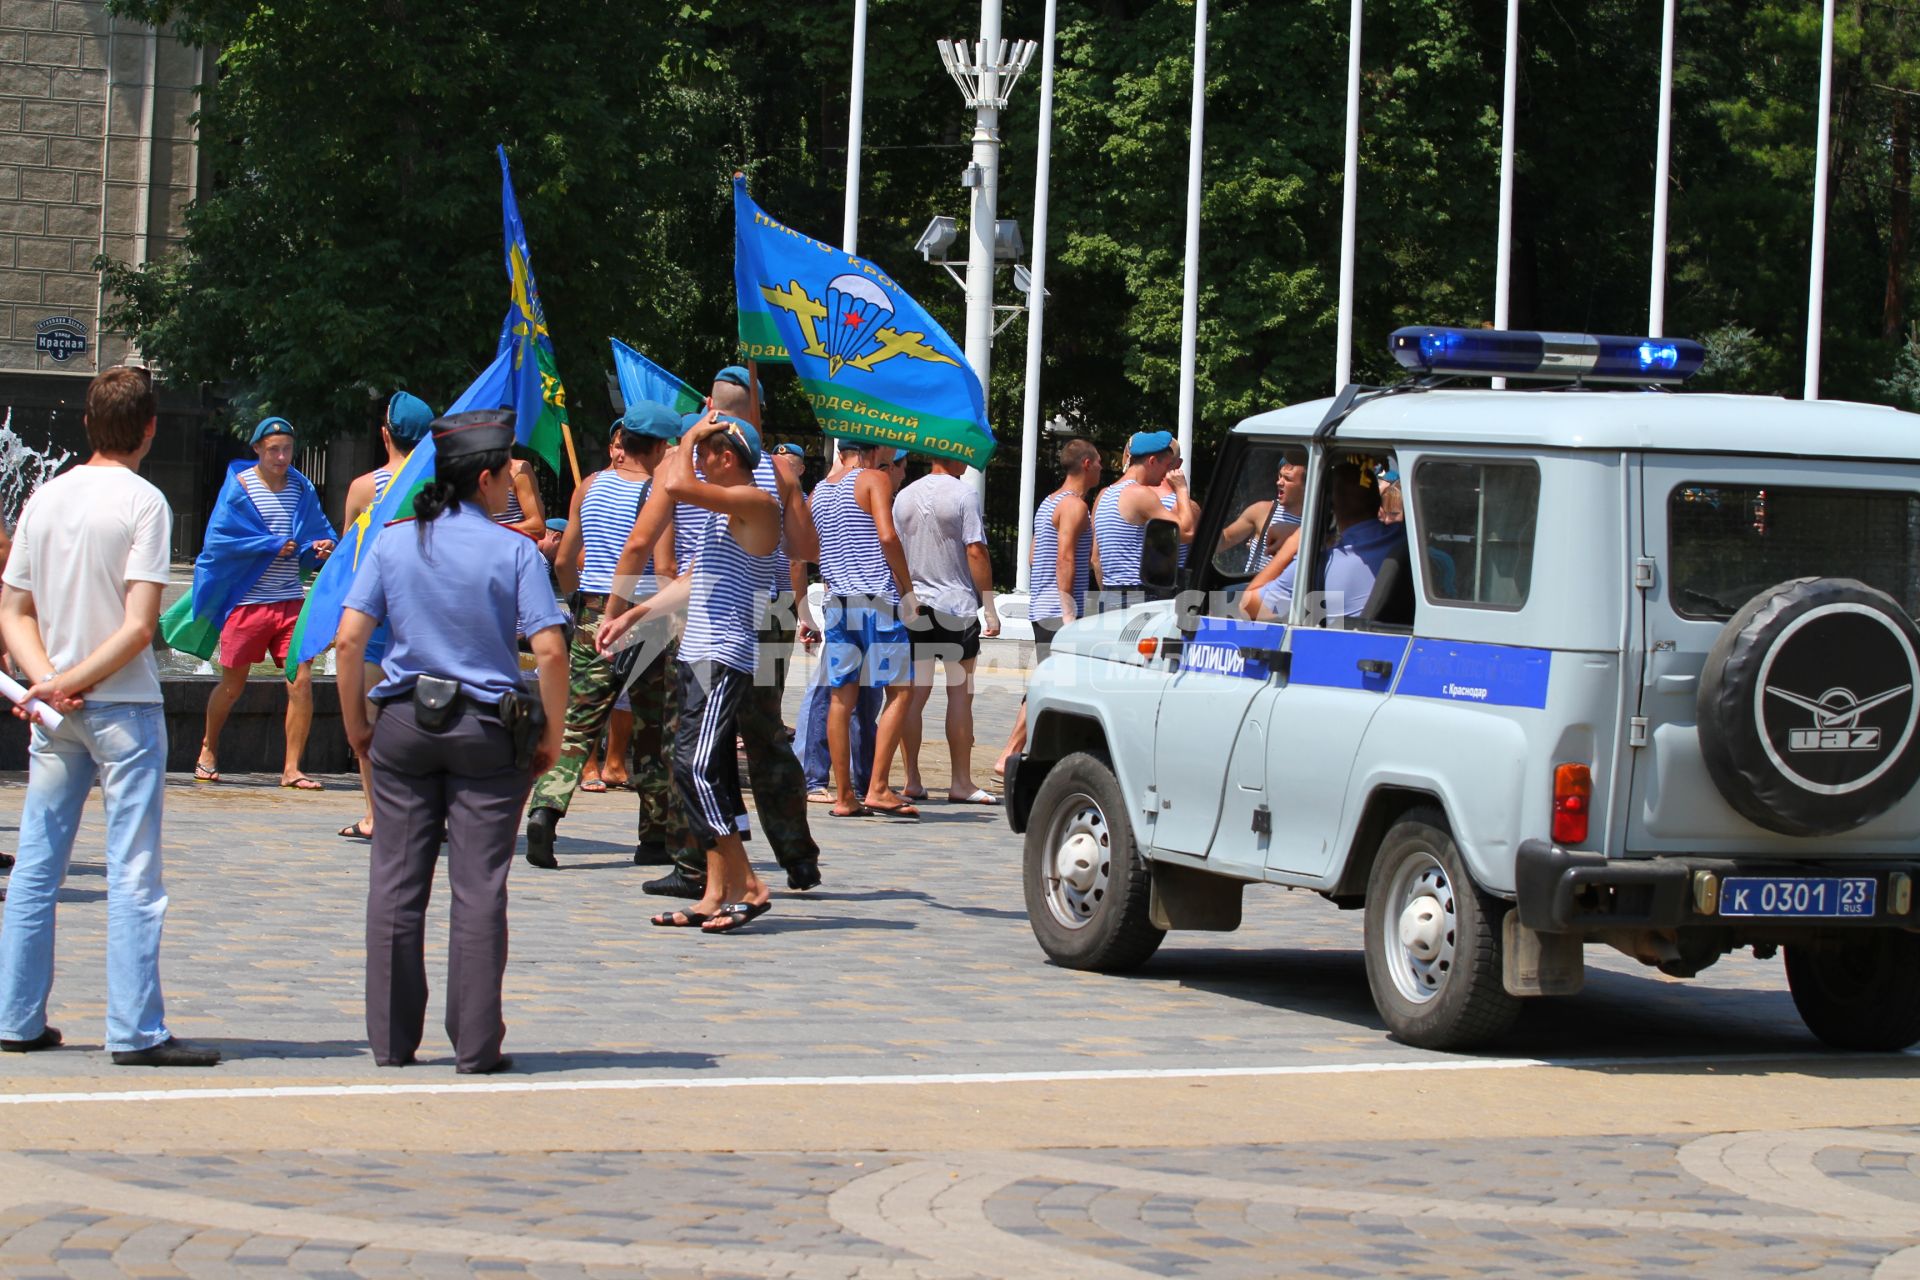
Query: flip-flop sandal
x=594, y=786
x=915, y=796
x=685, y=920
x=895, y=811
x=301, y=783
x=861, y=812
x=736, y=916
x=981, y=796
x=353, y=831
x=821, y=796
x=203, y=774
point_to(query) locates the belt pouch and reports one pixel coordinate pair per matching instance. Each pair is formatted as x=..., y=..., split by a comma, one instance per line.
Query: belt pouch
x=436, y=701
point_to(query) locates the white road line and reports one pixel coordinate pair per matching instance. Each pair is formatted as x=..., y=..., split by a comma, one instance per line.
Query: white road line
x=629, y=1085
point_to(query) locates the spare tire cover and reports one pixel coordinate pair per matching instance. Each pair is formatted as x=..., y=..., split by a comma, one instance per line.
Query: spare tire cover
x=1809, y=707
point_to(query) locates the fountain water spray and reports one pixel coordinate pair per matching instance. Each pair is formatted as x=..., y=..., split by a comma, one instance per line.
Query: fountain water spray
x=23, y=469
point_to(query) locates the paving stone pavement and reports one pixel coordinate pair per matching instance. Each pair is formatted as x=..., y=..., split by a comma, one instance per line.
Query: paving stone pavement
x=914, y=957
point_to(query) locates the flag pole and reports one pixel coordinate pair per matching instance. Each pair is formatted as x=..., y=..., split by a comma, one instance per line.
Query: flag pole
x=1817, y=275
x=1657, y=290
x=573, y=459
x=1503, y=259
x=856, y=109
x=1349, y=211
x=753, y=392
x=1190, y=288
x=1036, y=309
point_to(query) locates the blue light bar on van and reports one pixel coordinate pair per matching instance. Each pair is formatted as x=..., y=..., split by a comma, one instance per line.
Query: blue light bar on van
x=1520, y=353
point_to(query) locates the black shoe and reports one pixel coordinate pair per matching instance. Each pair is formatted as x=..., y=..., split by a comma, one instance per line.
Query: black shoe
x=49, y=1038
x=677, y=884
x=802, y=876
x=6, y=862
x=502, y=1063
x=652, y=853
x=170, y=1052
x=540, y=825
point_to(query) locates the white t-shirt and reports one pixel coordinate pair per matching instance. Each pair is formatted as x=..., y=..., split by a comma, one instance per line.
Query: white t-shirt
x=86, y=534
x=937, y=516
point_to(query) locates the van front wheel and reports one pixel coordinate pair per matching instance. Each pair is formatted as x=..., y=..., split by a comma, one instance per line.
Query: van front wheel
x=1433, y=941
x=1087, y=887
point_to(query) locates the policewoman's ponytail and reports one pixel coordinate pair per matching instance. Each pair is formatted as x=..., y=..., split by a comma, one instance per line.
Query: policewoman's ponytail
x=455, y=480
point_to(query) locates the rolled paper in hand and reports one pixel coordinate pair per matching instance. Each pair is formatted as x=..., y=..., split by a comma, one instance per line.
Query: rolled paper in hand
x=17, y=693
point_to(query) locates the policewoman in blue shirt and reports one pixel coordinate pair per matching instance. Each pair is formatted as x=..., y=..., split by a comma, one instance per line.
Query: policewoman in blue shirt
x=457, y=740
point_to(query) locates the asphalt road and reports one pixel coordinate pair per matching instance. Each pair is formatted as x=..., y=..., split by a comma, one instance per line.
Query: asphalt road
x=885, y=1077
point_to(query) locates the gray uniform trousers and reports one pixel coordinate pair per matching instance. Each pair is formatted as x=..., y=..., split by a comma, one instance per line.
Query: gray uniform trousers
x=465, y=779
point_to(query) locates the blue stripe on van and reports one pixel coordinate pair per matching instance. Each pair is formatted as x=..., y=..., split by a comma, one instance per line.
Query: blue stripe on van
x=1489, y=674
x=1332, y=659
x=1221, y=647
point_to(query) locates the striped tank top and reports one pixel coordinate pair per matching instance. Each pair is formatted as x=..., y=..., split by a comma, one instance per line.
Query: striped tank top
x=381, y=479
x=1044, y=600
x=768, y=482
x=851, y=561
x=1167, y=501
x=723, y=608
x=1258, y=557
x=513, y=513
x=607, y=514
x=1119, y=541
x=281, y=581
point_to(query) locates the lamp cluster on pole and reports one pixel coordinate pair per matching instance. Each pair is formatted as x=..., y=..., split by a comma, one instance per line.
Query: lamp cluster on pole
x=985, y=71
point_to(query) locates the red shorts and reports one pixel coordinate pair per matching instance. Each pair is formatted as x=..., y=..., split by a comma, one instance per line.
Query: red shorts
x=255, y=630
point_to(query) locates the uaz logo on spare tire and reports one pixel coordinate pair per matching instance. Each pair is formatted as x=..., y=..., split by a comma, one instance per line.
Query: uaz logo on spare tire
x=1788, y=738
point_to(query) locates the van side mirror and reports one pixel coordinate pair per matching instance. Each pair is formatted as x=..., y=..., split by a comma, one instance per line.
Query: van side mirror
x=1160, y=559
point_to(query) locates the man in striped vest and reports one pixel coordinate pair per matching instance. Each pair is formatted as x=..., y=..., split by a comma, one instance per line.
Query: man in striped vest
x=261, y=623
x=605, y=507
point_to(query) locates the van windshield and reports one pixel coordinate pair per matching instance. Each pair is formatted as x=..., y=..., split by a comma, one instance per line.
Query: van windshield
x=1731, y=542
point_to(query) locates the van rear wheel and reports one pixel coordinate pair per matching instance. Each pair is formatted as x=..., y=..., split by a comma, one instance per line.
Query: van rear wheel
x=1433, y=940
x=1860, y=992
x=1087, y=887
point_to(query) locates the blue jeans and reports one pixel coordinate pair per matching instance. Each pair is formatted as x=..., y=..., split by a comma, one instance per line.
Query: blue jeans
x=124, y=744
x=810, y=735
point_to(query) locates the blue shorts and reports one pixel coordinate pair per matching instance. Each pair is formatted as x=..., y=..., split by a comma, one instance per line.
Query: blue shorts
x=866, y=643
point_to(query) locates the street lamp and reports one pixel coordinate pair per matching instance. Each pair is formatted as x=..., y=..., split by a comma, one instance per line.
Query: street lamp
x=985, y=71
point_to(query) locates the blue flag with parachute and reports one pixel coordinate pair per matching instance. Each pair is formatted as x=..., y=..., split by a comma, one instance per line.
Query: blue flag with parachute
x=874, y=365
x=320, y=616
x=536, y=396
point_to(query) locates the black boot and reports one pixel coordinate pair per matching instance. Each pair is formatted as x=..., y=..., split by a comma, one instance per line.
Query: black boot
x=540, y=825
x=651, y=853
x=677, y=884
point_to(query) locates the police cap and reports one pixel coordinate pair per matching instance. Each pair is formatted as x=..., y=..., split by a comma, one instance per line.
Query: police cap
x=459, y=435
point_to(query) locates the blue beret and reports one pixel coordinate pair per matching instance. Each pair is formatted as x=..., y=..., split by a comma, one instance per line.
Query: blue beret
x=745, y=438
x=650, y=419
x=271, y=427
x=408, y=417
x=688, y=421
x=1149, y=442
x=737, y=375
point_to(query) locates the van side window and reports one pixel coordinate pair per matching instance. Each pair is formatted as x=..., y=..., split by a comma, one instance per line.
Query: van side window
x=1476, y=525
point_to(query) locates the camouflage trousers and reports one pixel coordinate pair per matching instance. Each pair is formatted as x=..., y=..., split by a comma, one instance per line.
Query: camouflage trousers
x=592, y=689
x=773, y=770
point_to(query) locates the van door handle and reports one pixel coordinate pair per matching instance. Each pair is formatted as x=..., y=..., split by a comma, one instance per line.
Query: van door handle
x=1375, y=666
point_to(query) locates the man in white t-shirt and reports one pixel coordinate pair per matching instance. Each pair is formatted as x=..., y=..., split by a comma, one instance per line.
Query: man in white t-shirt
x=78, y=612
x=938, y=517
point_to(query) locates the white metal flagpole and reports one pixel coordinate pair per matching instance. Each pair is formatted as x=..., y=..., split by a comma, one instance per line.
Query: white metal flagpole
x=856, y=109
x=1816, y=284
x=1349, y=211
x=1503, y=252
x=1036, y=310
x=1190, y=290
x=1657, y=290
